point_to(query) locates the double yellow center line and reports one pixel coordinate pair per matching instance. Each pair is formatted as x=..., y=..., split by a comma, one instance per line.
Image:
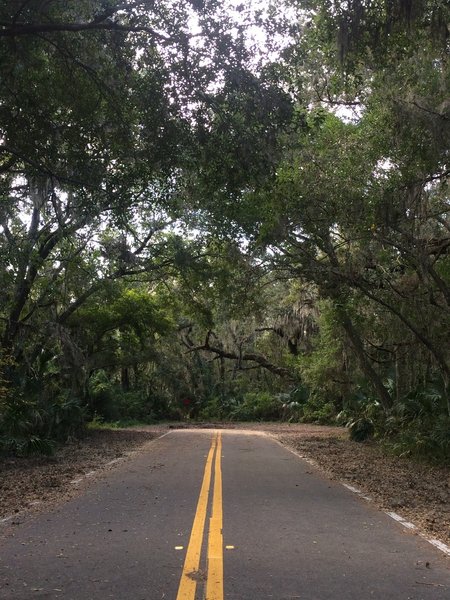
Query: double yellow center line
x=191, y=574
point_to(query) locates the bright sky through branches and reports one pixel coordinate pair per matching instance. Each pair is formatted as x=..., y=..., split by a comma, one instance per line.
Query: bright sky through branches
x=256, y=22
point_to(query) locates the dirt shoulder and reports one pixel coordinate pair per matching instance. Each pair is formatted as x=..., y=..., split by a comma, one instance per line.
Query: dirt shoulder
x=35, y=483
x=420, y=493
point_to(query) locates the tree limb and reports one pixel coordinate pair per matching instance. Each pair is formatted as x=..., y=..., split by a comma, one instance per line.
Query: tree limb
x=261, y=360
x=18, y=29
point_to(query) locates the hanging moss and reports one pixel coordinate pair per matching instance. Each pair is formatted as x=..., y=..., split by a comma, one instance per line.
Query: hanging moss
x=362, y=23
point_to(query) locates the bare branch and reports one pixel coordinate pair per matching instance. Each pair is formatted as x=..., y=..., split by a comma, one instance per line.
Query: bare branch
x=259, y=359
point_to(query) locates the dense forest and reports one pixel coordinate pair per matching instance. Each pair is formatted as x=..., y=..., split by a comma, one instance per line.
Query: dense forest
x=225, y=210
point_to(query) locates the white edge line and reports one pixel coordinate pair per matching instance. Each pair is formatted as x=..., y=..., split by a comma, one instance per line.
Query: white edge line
x=409, y=525
x=395, y=516
x=163, y=435
x=310, y=461
x=351, y=488
x=5, y=519
x=401, y=520
x=114, y=461
x=434, y=542
x=438, y=544
x=91, y=473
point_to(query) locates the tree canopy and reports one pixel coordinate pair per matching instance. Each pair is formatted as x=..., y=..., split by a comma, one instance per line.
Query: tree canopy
x=225, y=211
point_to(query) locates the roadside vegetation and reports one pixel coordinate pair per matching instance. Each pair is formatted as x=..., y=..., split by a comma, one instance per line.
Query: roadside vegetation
x=219, y=228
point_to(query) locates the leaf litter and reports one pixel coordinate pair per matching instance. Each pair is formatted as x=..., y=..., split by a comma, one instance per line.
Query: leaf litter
x=417, y=491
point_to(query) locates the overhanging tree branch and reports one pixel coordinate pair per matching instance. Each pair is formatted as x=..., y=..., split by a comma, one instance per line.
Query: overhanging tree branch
x=261, y=360
x=19, y=29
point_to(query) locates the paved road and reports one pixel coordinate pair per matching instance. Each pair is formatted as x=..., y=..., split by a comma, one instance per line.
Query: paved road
x=152, y=529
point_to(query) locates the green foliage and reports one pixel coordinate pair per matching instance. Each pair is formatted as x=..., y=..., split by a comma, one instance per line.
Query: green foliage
x=65, y=417
x=294, y=403
x=257, y=406
x=248, y=113
x=110, y=403
x=179, y=229
x=321, y=365
x=131, y=309
x=5, y=386
x=97, y=185
x=423, y=442
x=241, y=405
x=419, y=425
x=20, y=421
x=20, y=417
x=322, y=369
x=319, y=409
x=363, y=416
x=98, y=422
x=218, y=408
x=30, y=426
x=25, y=445
x=361, y=429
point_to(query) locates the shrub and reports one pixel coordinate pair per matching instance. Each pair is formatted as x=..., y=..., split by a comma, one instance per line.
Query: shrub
x=111, y=403
x=218, y=408
x=361, y=429
x=258, y=406
x=419, y=425
x=22, y=424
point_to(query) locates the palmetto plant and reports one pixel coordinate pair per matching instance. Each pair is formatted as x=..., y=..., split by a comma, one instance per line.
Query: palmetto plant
x=419, y=424
x=21, y=422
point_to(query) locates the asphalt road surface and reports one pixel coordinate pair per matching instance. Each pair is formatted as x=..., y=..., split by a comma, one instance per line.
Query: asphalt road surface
x=218, y=515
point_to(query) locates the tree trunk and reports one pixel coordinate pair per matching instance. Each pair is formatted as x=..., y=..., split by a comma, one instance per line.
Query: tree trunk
x=125, y=379
x=354, y=337
x=364, y=362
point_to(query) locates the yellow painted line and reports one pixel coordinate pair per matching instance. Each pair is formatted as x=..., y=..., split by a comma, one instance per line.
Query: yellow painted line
x=188, y=584
x=214, y=582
